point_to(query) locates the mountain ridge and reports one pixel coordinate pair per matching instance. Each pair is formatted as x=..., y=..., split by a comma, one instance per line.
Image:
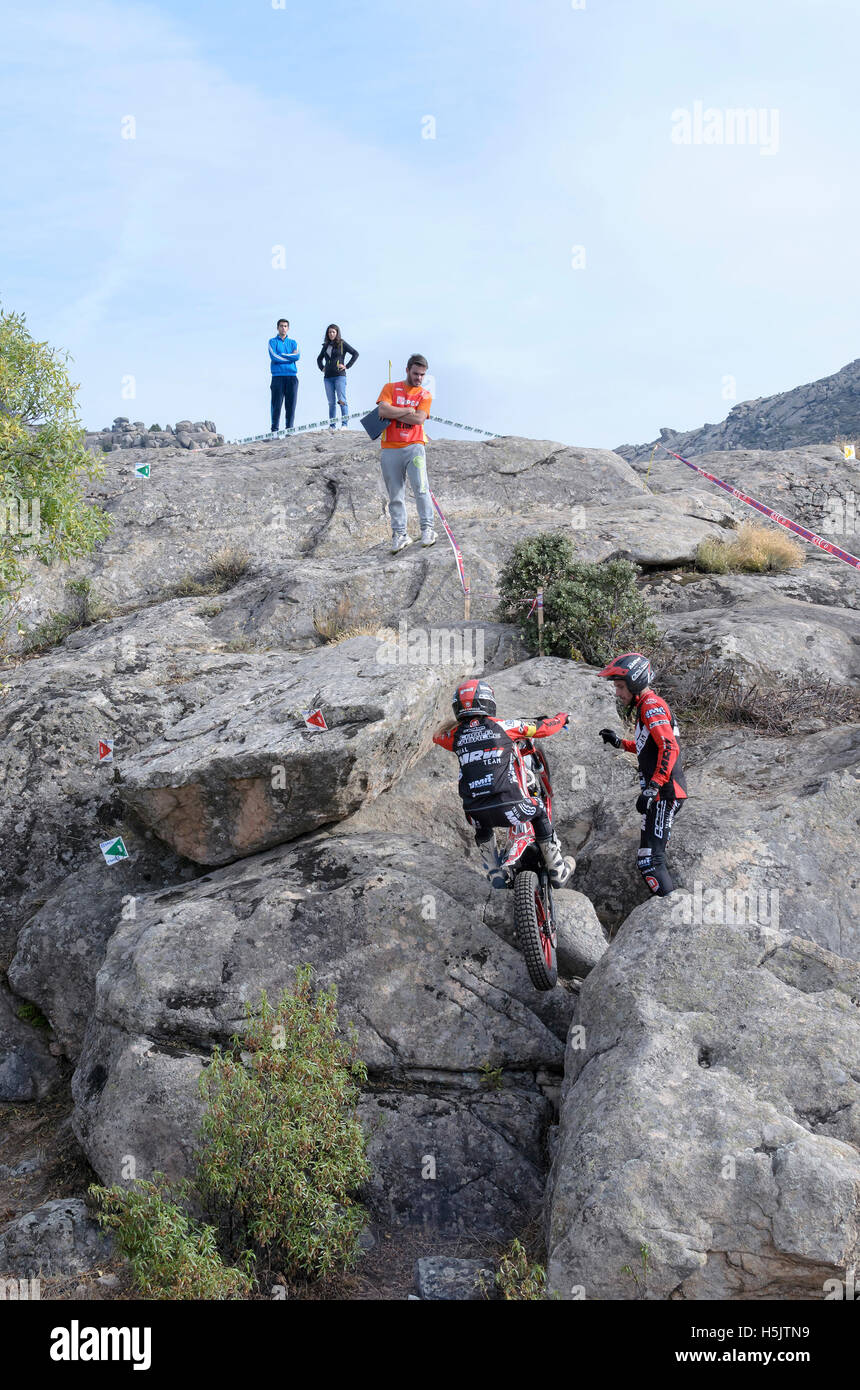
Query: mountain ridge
x=818, y=412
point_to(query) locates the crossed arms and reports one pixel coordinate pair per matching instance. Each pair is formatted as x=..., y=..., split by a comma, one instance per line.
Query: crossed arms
x=283, y=356
x=402, y=413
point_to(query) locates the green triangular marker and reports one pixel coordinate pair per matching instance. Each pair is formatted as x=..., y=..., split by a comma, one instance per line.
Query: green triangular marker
x=114, y=850
x=142, y=469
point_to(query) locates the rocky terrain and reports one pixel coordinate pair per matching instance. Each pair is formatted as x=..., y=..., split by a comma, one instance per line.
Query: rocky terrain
x=243, y=585
x=823, y=410
x=127, y=434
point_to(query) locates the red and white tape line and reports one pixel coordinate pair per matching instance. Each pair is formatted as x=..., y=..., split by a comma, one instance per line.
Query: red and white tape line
x=769, y=512
x=461, y=569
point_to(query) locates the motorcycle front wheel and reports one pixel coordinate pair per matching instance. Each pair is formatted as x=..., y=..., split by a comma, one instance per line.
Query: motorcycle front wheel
x=534, y=931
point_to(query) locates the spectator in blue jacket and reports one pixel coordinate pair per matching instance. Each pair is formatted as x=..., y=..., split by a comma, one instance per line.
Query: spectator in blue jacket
x=283, y=355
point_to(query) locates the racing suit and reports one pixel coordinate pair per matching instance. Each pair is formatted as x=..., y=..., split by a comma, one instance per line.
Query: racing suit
x=493, y=784
x=655, y=743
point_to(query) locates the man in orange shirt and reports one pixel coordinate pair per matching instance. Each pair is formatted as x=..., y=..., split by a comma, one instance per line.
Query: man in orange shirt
x=406, y=405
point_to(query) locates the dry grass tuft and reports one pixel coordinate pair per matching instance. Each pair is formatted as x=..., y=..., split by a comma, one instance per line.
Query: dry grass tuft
x=222, y=571
x=705, y=697
x=752, y=550
x=338, y=620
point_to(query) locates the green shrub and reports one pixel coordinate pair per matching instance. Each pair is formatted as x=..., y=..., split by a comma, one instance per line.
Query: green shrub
x=282, y=1150
x=48, y=633
x=30, y=1013
x=596, y=612
x=172, y=1256
x=591, y=611
x=535, y=563
x=518, y=1278
x=280, y=1155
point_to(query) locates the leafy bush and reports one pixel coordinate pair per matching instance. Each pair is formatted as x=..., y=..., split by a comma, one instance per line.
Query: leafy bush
x=282, y=1150
x=172, y=1256
x=518, y=1278
x=280, y=1154
x=535, y=563
x=752, y=550
x=591, y=611
x=43, y=458
x=48, y=633
x=596, y=612
x=30, y=1013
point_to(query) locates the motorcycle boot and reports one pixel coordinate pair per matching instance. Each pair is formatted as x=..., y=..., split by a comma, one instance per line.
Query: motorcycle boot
x=559, y=867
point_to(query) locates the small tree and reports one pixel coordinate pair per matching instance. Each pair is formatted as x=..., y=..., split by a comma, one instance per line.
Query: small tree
x=281, y=1153
x=591, y=611
x=172, y=1256
x=282, y=1150
x=535, y=563
x=595, y=612
x=42, y=460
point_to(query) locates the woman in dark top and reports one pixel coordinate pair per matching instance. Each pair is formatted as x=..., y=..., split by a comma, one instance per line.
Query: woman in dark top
x=331, y=363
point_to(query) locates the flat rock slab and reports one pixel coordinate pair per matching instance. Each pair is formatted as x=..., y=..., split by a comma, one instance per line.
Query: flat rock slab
x=772, y=637
x=442, y=1277
x=712, y=1116
x=59, y=1237
x=243, y=772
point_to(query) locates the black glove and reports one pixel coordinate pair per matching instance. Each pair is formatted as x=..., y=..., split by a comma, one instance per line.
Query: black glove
x=609, y=736
x=644, y=799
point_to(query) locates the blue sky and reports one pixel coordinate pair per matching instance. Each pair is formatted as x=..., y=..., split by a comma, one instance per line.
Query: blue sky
x=258, y=127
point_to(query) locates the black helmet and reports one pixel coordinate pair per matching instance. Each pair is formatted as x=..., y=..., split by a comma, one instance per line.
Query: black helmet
x=473, y=697
x=634, y=668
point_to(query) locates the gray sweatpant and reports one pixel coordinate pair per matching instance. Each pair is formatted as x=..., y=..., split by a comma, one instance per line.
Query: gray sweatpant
x=397, y=465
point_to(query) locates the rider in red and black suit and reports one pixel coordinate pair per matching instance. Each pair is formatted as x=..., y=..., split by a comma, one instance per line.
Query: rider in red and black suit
x=661, y=774
x=493, y=785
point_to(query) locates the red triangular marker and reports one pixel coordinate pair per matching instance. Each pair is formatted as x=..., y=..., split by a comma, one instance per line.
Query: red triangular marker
x=314, y=719
x=105, y=751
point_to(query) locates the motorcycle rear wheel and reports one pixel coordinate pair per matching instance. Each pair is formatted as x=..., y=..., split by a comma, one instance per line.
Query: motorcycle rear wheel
x=534, y=931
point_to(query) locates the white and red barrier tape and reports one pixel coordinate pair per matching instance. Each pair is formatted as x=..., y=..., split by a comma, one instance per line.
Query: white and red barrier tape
x=353, y=415
x=461, y=570
x=770, y=512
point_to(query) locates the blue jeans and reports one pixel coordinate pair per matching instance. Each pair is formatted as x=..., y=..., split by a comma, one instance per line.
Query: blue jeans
x=335, y=386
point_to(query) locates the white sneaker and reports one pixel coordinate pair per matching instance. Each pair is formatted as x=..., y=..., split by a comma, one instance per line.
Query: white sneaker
x=428, y=537
x=400, y=543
